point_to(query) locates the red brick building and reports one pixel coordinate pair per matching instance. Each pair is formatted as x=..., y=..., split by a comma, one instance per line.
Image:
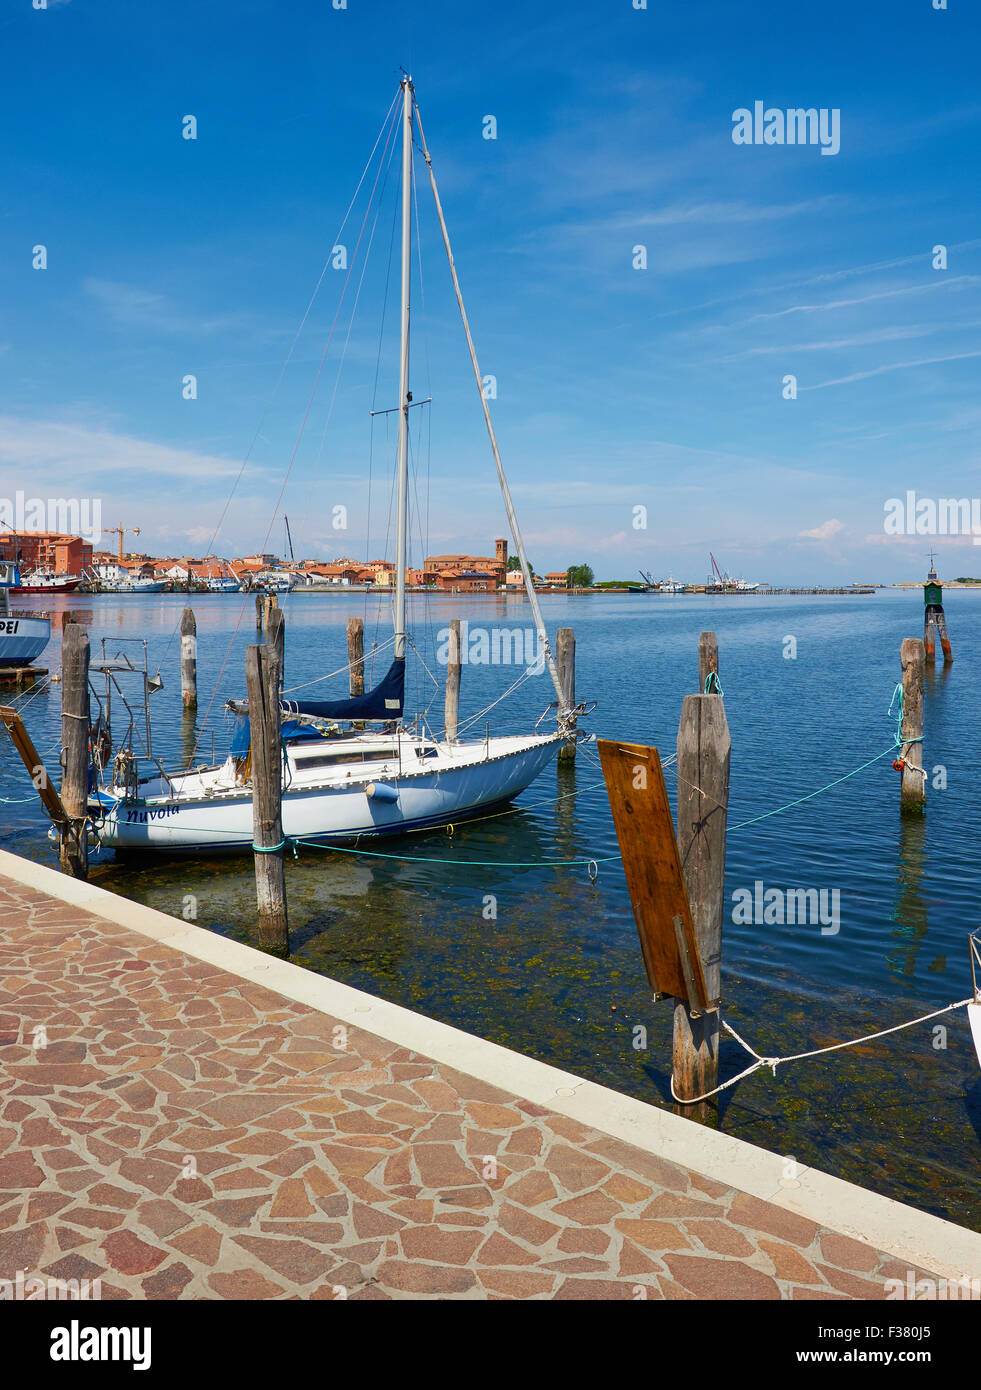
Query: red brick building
x=460, y=569
x=46, y=550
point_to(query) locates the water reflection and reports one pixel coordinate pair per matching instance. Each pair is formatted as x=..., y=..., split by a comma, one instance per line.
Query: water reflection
x=910, y=913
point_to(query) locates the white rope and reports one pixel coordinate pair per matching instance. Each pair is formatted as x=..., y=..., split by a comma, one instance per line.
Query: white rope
x=774, y=1062
x=422, y=662
x=528, y=671
x=39, y=689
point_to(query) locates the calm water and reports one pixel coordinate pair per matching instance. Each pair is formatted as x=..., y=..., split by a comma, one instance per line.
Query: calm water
x=558, y=974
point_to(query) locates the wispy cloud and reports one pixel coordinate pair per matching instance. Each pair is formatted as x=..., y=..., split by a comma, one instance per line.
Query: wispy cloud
x=878, y=335
x=33, y=454
x=713, y=214
x=941, y=283
x=130, y=306
x=891, y=367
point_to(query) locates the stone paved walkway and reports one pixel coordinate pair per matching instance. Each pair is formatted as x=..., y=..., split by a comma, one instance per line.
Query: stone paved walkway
x=185, y=1133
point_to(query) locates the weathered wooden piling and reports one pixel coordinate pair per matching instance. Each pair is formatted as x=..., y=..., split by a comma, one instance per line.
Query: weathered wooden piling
x=703, y=798
x=276, y=637
x=708, y=663
x=74, y=852
x=260, y=611
x=189, y=660
x=355, y=654
x=912, y=791
x=262, y=676
x=451, y=706
x=565, y=660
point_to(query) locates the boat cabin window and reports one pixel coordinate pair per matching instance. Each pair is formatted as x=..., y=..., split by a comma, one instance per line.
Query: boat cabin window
x=361, y=755
x=430, y=751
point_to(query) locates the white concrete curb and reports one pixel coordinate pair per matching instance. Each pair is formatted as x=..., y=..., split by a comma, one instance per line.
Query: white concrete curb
x=909, y=1235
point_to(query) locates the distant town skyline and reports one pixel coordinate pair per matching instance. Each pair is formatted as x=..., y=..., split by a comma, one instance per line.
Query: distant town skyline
x=712, y=321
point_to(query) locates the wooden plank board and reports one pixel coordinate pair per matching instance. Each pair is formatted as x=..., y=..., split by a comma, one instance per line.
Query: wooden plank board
x=651, y=864
x=36, y=770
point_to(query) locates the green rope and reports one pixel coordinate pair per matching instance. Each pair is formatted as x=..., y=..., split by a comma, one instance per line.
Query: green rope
x=898, y=692
x=476, y=863
x=274, y=849
x=712, y=679
x=811, y=795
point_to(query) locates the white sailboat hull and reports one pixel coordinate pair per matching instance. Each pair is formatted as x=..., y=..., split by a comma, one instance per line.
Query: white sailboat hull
x=460, y=779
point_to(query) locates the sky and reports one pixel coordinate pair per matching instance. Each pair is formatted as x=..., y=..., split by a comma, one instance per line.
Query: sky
x=788, y=360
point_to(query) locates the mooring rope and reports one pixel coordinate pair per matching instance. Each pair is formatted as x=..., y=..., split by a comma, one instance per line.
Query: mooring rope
x=810, y=795
x=475, y=863
x=774, y=1062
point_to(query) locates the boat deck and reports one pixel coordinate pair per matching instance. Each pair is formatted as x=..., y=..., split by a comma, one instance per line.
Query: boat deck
x=207, y=1122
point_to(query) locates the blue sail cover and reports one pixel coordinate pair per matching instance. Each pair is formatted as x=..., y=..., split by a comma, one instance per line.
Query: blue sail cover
x=383, y=702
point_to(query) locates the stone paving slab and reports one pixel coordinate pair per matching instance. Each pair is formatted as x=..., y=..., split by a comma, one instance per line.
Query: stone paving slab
x=181, y=1132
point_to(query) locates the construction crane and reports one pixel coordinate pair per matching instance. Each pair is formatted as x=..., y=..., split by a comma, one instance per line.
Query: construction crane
x=121, y=531
x=724, y=580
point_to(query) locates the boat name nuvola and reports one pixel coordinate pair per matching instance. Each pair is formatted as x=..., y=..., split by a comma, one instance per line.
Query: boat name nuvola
x=151, y=813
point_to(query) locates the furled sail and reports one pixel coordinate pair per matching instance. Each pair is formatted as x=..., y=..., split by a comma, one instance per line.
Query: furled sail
x=383, y=702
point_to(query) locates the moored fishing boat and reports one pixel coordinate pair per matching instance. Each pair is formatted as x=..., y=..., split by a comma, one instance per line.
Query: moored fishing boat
x=129, y=585
x=22, y=639
x=46, y=582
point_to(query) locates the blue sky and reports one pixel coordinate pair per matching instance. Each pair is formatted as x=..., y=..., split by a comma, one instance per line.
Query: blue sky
x=618, y=387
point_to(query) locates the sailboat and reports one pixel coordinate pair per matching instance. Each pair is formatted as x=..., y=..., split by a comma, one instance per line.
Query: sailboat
x=343, y=781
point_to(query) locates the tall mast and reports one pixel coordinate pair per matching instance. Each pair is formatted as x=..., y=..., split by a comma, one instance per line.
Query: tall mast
x=404, y=395
x=536, y=611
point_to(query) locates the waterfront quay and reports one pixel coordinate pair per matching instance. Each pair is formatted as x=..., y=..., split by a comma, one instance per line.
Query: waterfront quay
x=182, y=1116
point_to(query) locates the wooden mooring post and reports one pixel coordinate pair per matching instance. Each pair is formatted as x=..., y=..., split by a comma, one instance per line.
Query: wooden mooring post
x=703, y=799
x=276, y=638
x=451, y=705
x=189, y=660
x=565, y=660
x=355, y=654
x=262, y=677
x=260, y=610
x=912, y=791
x=74, y=851
x=708, y=663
